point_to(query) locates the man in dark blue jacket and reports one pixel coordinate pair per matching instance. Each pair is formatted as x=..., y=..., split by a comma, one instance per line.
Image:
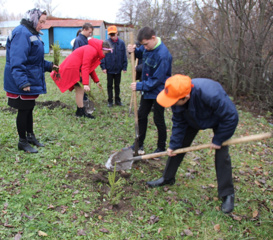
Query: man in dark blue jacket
x=82, y=38
x=113, y=64
x=156, y=69
x=197, y=104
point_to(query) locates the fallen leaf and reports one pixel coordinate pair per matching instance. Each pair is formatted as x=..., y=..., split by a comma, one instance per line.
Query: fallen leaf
x=18, y=236
x=212, y=185
x=217, y=227
x=257, y=183
x=237, y=218
x=104, y=230
x=159, y=230
x=64, y=208
x=99, y=217
x=42, y=234
x=81, y=232
x=153, y=219
x=197, y=212
x=255, y=214
x=76, y=192
x=7, y=225
x=50, y=206
x=188, y=232
x=217, y=208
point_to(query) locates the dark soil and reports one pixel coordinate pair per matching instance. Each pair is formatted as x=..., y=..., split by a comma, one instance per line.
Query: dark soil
x=97, y=177
x=49, y=104
x=52, y=105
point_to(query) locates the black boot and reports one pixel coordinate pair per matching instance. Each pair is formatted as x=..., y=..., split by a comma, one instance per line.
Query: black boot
x=24, y=145
x=228, y=203
x=32, y=139
x=161, y=182
x=81, y=113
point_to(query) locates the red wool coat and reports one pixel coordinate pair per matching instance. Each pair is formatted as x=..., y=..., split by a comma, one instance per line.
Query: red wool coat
x=80, y=63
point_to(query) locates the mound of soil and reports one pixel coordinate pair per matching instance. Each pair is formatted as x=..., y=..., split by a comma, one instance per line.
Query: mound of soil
x=52, y=104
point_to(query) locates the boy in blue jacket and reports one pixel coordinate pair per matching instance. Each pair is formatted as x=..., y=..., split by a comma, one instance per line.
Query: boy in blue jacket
x=197, y=104
x=156, y=69
x=113, y=64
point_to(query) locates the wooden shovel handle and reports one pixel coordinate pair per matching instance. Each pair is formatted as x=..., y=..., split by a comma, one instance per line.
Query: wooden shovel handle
x=255, y=137
x=134, y=94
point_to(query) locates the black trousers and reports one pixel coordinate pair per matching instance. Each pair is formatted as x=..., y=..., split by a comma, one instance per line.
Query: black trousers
x=143, y=112
x=222, y=165
x=113, y=79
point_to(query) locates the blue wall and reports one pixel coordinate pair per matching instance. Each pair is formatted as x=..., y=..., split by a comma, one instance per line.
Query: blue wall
x=45, y=39
x=63, y=35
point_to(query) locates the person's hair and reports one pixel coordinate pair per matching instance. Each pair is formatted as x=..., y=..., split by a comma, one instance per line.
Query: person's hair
x=78, y=32
x=107, y=44
x=145, y=33
x=86, y=26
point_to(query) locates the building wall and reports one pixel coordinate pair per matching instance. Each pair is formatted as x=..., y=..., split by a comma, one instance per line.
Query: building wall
x=64, y=36
x=45, y=39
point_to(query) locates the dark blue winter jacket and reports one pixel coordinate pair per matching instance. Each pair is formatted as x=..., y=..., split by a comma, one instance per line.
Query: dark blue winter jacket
x=209, y=106
x=80, y=40
x=116, y=61
x=25, y=64
x=156, y=69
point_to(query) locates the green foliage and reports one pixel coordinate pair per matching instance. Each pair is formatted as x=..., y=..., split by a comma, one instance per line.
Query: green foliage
x=116, y=187
x=56, y=54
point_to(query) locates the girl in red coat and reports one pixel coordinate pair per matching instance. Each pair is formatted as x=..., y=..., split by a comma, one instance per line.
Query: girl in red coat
x=77, y=67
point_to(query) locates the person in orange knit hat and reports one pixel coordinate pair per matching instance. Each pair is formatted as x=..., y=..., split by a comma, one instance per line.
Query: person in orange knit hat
x=197, y=104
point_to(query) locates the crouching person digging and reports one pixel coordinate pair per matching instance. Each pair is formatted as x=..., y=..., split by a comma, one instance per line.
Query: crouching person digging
x=197, y=104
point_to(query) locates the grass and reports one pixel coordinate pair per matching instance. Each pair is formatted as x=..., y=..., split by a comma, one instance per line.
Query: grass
x=62, y=190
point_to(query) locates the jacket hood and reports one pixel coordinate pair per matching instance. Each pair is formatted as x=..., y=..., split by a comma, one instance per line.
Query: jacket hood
x=97, y=44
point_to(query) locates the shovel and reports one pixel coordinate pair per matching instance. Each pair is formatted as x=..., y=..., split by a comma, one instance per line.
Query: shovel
x=124, y=159
x=134, y=96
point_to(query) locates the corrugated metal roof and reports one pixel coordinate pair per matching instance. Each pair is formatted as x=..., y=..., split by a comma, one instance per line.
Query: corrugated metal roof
x=70, y=23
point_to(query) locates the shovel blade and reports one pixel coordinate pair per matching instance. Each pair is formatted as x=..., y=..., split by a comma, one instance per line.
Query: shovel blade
x=120, y=159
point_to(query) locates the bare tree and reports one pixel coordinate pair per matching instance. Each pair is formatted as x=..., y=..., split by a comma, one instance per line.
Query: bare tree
x=226, y=40
x=46, y=5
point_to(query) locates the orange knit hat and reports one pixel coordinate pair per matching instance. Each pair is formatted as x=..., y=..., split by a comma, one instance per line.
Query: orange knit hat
x=176, y=87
